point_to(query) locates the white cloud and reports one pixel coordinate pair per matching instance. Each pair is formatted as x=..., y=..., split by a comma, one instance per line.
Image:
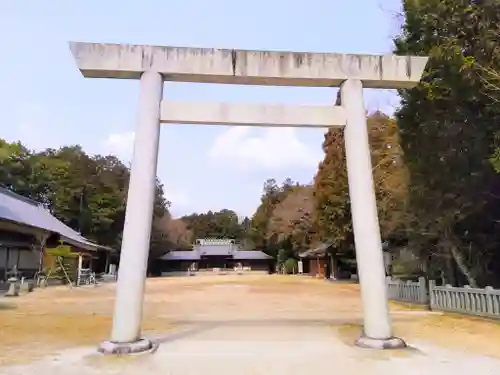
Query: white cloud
x=275, y=148
x=120, y=144
x=36, y=128
x=180, y=202
x=31, y=136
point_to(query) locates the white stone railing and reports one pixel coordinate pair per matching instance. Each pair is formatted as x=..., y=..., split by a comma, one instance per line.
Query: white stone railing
x=464, y=300
x=407, y=291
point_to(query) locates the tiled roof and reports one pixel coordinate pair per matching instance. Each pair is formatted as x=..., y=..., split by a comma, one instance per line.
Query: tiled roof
x=16, y=208
x=195, y=255
x=319, y=251
x=250, y=255
x=181, y=255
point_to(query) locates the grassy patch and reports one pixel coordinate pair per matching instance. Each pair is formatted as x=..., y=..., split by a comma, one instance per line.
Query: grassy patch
x=29, y=336
x=7, y=305
x=408, y=306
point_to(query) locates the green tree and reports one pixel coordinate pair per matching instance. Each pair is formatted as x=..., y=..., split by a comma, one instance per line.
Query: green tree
x=17, y=170
x=259, y=233
x=87, y=193
x=221, y=224
x=332, y=217
x=290, y=224
x=448, y=128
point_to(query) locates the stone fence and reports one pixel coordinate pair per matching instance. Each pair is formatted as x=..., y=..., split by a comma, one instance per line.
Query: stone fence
x=408, y=291
x=466, y=300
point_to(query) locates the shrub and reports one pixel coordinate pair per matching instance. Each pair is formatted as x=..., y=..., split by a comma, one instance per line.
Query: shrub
x=291, y=266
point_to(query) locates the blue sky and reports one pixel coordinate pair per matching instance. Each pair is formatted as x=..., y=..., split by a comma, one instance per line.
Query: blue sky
x=45, y=102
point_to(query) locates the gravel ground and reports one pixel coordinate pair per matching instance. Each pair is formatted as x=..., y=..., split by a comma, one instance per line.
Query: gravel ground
x=238, y=325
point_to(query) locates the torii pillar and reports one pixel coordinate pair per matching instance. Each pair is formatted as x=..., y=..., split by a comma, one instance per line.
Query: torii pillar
x=153, y=65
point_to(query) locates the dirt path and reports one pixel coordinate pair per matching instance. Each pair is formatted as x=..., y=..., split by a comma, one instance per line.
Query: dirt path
x=248, y=310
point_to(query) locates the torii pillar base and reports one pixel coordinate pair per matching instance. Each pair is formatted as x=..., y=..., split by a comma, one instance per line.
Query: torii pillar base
x=366, y=342
x=120, y=348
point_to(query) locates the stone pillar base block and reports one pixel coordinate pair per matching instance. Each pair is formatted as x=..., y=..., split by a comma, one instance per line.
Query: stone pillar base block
x=121, y=348
x=13, y=290
x=380, y=344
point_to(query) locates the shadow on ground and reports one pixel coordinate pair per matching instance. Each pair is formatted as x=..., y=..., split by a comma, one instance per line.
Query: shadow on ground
x=4, y=305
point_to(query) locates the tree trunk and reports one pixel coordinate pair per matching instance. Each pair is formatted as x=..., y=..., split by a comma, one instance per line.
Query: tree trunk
x=466, y=271
x=450, y=242
x=449, y=275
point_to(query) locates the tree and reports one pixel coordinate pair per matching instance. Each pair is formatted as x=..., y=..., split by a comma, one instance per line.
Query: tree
x=332, y=217
x=178, y=233
x=291, y=218
x=260, y=220
x=259, y=233
x=17, y=170
x=449, y=125
x=87, y=193
x=390, y=175
x=221, y=224
x=491, y=80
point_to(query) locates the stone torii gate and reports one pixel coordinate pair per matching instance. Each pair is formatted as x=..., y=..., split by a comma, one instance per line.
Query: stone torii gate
x=153, y=65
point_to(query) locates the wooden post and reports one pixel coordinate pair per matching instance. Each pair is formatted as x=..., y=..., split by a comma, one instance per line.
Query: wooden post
x=18, y=257
x=333, y=272
x=42, y=239
x=6, y=268
x=106, y=265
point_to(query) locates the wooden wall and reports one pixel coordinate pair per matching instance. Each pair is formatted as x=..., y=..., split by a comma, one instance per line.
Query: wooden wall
x=317, y=267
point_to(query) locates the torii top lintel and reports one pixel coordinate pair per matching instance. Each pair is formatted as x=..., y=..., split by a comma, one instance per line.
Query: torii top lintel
x=245, y=67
